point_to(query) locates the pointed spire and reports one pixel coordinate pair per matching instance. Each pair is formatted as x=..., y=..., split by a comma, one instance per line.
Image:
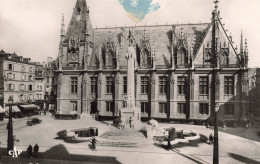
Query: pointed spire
x=80, y=23
x=245, y=46
x=231, y=39
x=130, y=38
x=86, y=30
x=241, y=43
x=216, y=5
x=62, y=31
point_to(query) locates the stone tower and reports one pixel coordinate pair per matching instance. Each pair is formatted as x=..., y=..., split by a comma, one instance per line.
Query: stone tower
x=74, y=52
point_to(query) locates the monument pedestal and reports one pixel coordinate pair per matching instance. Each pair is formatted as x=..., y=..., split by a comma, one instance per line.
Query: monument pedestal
x=131, y=117
x=131, y=114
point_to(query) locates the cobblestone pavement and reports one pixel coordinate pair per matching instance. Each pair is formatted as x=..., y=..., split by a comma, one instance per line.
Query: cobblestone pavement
x=232, y=148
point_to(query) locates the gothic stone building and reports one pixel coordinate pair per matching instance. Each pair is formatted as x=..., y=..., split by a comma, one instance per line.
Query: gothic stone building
x=181, y=71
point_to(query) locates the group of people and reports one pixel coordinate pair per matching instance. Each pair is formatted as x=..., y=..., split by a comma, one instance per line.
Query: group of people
x=33, y=150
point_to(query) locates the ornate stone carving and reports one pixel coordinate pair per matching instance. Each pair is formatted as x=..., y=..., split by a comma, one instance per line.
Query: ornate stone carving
x=217, y=81
x=244, y=81
x=153, y=79
x=191, y=81
x=135, y=79
x=100, y=80
x=74, y=43
x=172, y=81
x=117, y=81
x=109, y=51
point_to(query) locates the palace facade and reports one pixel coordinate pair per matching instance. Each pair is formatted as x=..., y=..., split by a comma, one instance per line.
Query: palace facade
x=182, y=70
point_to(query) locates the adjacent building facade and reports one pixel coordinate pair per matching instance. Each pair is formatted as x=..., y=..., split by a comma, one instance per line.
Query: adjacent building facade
x=39, y=82
x=19, y=74
x=28, y=82
x=2, y=54
x=44, y=82
x=257, y=93
x=182, y=71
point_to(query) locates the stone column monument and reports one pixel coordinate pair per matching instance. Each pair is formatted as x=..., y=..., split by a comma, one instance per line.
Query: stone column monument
x=131, y=113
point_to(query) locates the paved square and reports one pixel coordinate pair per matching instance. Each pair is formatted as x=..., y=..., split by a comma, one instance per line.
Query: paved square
x=232, y=148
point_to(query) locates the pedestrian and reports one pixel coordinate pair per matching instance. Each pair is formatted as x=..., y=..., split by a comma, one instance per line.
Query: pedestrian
x=122, y=123
x=94, y=142
x=44, y=111
x=133, y=124
x=29, y=116
x=211, y=139
x=53, y=113
x=169, y=142
x=29, y=151
x=7, y=126
x=36, y=150
x=96, y=115
x=130, y=121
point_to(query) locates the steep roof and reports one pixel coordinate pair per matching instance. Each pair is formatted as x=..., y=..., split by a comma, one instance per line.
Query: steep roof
x=160, y=36
x=15, y=58
x=77, y=25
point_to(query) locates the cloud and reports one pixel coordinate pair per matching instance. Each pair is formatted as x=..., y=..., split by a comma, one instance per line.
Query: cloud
x=137, y=9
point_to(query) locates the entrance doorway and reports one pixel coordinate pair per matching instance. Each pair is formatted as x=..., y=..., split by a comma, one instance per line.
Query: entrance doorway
x=93, y=107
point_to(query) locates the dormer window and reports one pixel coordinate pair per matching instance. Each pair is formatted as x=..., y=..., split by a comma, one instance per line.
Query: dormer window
x=109, y=59
x=207, y=59
x=181, y=51
x=182, y=57
x=145, y=57
x=224, y=58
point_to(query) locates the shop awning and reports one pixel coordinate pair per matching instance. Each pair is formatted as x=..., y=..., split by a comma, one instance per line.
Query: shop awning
x=29, y=106
x=2, y=110
x=16, y=109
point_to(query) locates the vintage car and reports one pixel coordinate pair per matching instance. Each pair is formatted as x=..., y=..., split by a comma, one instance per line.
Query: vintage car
x=33, y=121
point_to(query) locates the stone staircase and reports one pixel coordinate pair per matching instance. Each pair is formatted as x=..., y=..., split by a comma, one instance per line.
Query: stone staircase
x=86, y=116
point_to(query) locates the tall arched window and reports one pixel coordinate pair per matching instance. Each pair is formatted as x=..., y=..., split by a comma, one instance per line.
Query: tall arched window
x=110, y=56
x=207, y=59
x=182, y=56
x=145, y=57
x=224, y=58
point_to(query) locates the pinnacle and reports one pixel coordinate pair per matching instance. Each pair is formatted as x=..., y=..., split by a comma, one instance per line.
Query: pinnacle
x=79, y=23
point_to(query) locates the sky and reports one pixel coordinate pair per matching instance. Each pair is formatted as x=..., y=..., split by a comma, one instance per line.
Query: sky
x=31, y=28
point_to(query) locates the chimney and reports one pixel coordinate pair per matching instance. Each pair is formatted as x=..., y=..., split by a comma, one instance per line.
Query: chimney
x=49, y=60
x=20, y=58
x=27, y=59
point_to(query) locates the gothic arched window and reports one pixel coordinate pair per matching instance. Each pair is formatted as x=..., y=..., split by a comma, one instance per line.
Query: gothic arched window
x=145, y=57
x=207, y=59
x=109, y=60
x=182, y=56
x=224, y=58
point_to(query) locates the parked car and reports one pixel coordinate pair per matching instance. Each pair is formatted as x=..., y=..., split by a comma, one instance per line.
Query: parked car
x=33, y=121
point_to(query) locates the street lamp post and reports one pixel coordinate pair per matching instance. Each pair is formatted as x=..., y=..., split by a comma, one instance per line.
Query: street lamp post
x=81, y=92
x=10, y=139
x=215, y=152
